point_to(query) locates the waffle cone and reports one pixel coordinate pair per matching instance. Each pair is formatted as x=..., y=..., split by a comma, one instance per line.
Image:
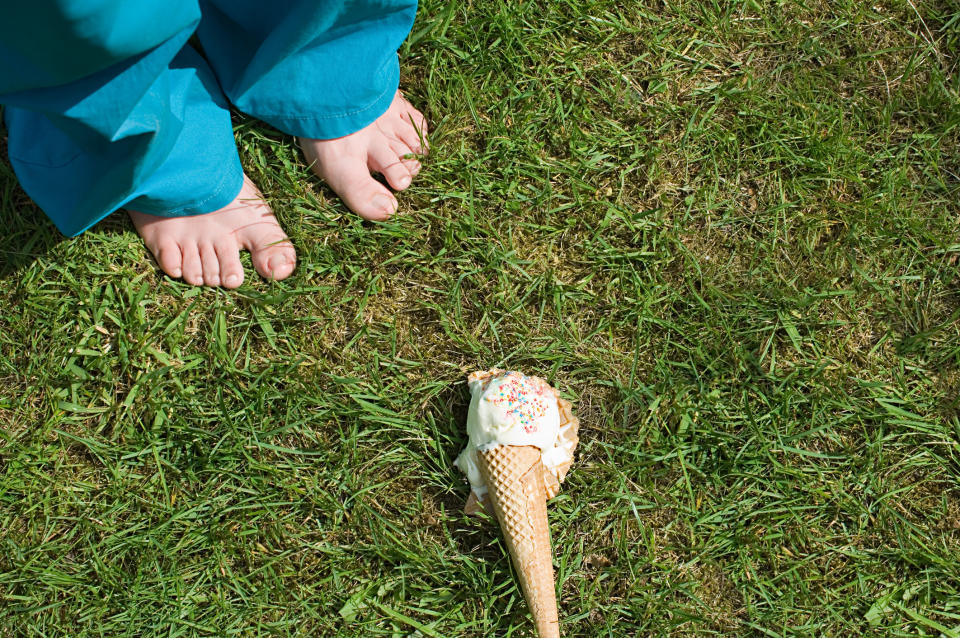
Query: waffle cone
x=552, y=478
x=514, y=476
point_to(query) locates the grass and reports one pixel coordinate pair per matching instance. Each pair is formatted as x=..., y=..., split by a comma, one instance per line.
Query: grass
x=727, y=231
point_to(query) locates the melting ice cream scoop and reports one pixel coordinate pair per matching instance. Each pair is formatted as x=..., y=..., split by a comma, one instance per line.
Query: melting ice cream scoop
x=511, y=408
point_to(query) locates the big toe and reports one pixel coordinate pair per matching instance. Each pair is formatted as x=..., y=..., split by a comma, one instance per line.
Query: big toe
x=367, y=197
x=271, y=251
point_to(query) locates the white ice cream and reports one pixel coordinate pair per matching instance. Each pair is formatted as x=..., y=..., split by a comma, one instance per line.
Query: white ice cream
x=509, y=408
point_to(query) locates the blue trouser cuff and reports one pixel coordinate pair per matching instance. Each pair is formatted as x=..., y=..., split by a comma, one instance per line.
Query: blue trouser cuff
x=115, y=111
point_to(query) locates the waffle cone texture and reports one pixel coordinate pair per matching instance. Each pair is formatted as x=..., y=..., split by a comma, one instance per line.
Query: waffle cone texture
x=569, y=432
x=515, y=478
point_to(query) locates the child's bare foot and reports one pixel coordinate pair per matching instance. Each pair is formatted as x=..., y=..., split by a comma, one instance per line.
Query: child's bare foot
x=205, y=249
x=385, y=146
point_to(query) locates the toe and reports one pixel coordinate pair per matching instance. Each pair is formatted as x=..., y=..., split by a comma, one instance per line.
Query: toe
x=210, y=264
x=407, y=157
x=414, y=129
x=367, y=197
x=192, y=266
x=385, y=161
x=275, y=259
x=170, y=258
x=281, y=263
x=270, y=249
x=412, y=136
x=231, y=270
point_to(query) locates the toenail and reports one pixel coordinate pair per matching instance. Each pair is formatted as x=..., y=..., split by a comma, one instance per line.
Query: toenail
x=384, y=203
x=405, y=180
x=232, y=280
x=278, y=262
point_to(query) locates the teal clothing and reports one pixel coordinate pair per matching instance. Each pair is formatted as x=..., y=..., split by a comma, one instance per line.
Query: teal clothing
x=107, y=106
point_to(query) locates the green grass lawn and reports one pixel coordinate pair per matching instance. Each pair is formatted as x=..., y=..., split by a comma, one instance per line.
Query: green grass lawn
x=728, y=231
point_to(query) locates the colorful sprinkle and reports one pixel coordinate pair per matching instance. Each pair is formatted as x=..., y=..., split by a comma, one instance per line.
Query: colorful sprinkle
x=524, y=397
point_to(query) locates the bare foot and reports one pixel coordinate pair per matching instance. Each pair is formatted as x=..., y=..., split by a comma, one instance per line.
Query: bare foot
x=205, y=249
x=386, y=146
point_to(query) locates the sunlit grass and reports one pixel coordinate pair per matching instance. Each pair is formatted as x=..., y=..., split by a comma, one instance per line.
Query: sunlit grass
x=727, y=231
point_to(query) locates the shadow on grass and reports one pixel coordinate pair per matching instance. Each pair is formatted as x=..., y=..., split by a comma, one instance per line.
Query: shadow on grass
x=27, y=233
x=476, y=534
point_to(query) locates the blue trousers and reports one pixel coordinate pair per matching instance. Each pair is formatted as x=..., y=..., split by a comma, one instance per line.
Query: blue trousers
x=107, y=106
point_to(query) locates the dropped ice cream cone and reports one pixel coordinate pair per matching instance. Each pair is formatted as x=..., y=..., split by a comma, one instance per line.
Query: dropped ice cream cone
x=522, y=439
x=557, y=459
x=514, y=476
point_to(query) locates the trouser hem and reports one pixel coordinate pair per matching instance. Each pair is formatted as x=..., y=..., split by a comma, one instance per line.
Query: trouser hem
x=225, y=192
x=327, y=126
